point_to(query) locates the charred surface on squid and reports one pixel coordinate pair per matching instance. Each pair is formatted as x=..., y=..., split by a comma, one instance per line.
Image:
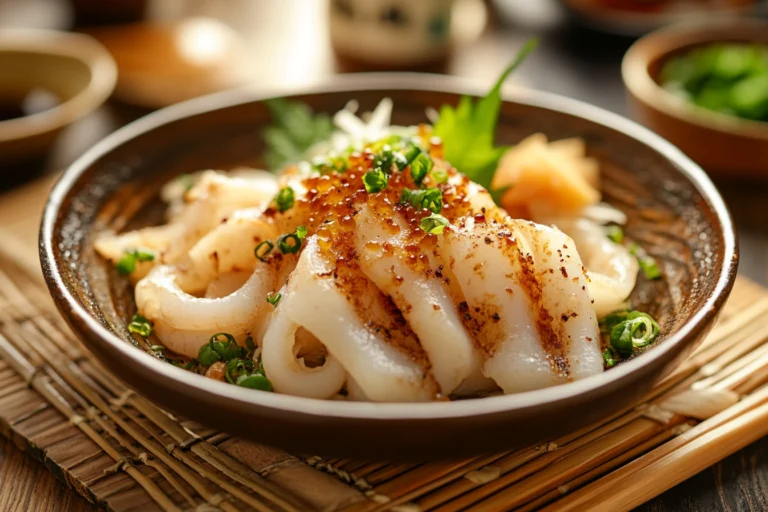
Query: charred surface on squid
x=549, y=330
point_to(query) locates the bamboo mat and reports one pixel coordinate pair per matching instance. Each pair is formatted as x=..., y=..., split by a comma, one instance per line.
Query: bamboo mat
x=123, y=453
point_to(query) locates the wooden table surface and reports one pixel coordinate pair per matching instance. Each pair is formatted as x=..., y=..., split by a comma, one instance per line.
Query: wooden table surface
x=571, y=61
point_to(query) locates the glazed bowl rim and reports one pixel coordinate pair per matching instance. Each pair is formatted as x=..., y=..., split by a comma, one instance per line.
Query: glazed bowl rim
x=77, y=315
x=55, y=44
x=641, y=84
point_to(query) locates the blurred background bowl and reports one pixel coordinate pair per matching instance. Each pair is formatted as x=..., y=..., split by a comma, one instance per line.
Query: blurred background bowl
x=724, y=145
x=50, y=79
x=636, y=17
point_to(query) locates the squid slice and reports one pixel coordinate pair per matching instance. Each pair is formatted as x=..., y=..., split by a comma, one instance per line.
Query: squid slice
x=229, y=247
x=612, y=270
x=288, y=373
x=215, y=197
x=423, y=299
x=383, y=372
x=489, y=269
x=355, y=392
x=156, y=238
x=566, y=297
x=226, y=284
x=184, y=322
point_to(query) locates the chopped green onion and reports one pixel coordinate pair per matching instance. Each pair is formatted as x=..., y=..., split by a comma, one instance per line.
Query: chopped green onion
x=144, y=255
x=250, y=345
x=327, y=164
x=273, y=298
x=237, y=368
x=401, y=162
x=140, y=325
x=263, y=249
x=410, y=154
x=289, y=243
x=375, y=181
x=431, y=199
x=609, y=358
x=221, y=347
x=637, y=331
x=392, y=141
x=648, y=264
x=301, y=232
x=608, y=322
x=157, y=348
x=420, y=167
x=384, y=160
x=254, y=381
x=650, y=267
x=127, y=264
x=207, y=355
x=284, y=199
x=439, y=176
x=186, y=181
x=434, y=224
x=615, y=234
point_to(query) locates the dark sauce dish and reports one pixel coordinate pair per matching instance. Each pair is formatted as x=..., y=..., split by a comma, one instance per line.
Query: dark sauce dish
x=674, y=212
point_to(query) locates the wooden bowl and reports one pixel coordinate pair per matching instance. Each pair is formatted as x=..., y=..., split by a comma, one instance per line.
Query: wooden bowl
x=674, y=211
x=73, y=67
x=638, y=18
x=724, y=145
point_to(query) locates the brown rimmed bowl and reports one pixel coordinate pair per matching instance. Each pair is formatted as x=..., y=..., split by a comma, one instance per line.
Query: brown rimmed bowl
x=724, y=145
x=674, y=211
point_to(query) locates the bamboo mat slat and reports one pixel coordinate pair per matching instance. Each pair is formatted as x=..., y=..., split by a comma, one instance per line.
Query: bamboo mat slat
x=122, y=452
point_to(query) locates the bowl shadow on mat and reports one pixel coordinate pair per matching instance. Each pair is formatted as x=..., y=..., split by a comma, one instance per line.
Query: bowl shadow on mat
x=673, y=210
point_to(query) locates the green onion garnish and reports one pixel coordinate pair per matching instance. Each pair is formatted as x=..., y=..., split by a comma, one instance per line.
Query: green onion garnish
x=609, y=358
x=637, y=331
x=207, y=355
x=127, y=264
x=647, y=263
x=408, y=156
x=301, y=232
x=327, y=164
x=439, y=176
x=285, y=198
x=434, y=224
x=375, y=181
x=384, y=160
x=615, y=234
x=254, y=381
x=263, y=249
x=431, y=199
x=140, y=325
x=273, y=298
x=245, y=373
x=238, y=367
x=250, y=345
x=186, y=181
x=289, y=243
x=420, y=167
x=221, y=347
x=157, y=348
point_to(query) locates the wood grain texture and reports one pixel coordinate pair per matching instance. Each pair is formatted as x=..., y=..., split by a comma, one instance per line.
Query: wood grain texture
x=737, y=484
x=27, y=485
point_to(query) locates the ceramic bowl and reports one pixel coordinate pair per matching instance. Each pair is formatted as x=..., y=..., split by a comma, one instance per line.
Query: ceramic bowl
x=724, y=145
x=674, y=211
x=72, y=67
